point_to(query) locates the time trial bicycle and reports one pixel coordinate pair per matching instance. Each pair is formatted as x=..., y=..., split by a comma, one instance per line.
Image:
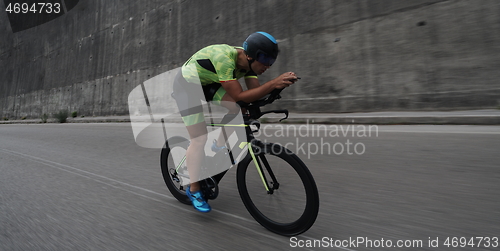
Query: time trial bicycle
x=275, y=186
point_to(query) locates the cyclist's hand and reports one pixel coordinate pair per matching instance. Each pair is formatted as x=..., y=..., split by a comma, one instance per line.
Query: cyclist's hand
x=284, y=80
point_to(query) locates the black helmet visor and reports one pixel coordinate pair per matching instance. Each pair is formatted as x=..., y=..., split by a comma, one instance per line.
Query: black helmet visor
x=265, y=59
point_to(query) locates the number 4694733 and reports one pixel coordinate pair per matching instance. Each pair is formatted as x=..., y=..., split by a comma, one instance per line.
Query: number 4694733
x=471, y=242
x=48, y=8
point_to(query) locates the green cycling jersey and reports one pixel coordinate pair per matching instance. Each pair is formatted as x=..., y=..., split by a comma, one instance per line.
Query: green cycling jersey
x=214, y=64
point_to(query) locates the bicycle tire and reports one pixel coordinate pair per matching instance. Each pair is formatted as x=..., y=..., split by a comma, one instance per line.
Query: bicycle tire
x=168, y=166
x=261, y=205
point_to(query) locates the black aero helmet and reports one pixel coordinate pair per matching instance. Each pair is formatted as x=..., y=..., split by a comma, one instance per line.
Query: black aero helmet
x=261, y=46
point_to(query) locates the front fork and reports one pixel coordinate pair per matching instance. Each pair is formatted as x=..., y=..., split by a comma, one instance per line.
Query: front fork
x=256, y=151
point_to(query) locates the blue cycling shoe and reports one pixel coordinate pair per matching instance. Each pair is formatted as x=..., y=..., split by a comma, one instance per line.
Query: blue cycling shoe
x=216, y=148
x=199, y=203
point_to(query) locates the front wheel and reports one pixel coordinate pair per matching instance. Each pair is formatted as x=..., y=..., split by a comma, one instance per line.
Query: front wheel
x=278, y=190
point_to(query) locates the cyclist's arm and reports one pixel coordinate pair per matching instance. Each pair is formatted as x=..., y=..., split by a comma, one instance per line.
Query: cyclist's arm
x=252, y=83
x=233, y=88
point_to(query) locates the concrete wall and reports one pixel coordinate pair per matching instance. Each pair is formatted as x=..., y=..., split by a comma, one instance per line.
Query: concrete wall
x=365, y=55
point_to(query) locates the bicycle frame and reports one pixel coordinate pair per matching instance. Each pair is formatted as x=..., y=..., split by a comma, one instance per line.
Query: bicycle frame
x=253, y=113
x=251, y=153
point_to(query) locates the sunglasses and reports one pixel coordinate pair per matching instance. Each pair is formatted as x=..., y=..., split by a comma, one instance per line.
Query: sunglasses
x=265, y=59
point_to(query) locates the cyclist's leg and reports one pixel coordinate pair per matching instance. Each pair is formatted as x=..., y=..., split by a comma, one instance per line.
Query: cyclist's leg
x=229, y=103
x=188, y=97
x=188, y=100
x=195, y=152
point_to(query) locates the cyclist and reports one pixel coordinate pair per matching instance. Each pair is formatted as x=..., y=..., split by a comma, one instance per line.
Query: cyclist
x=216, y=69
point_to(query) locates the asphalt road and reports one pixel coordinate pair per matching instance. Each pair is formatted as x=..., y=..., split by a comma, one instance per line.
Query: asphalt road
x=91, y=187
